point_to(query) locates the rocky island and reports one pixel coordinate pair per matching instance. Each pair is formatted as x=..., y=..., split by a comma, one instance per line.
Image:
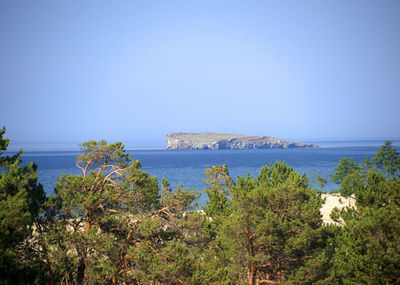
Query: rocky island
x=215, y=141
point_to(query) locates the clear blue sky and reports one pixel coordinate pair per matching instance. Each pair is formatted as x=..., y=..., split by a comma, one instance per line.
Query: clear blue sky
x=120, y=70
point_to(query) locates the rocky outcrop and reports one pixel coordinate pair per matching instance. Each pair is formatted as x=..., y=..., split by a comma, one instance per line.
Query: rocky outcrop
x=225, y=141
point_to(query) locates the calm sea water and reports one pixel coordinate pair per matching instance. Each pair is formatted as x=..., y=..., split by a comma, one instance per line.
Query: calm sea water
x=187, y=167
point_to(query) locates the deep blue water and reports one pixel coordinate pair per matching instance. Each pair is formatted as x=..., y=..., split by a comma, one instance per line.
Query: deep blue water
x=187, y=167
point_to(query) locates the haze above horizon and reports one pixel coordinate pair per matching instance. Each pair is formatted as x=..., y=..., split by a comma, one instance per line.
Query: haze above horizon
x=137, y=70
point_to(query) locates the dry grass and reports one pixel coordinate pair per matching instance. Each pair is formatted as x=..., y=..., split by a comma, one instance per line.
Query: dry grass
x=204, y=137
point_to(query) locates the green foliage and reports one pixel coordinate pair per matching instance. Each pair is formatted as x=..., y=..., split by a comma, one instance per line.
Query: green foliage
x=387, y=159
x=105, y=198
x=346, y=167
x=271, y=226
x=350, y=183
x=20, y=199
x=319, y=180
x=368, y=248
x=110, y=224
x=348, y=175
x=373, y=192
x=3, y=141
x=220, y=182
x=316, y=270
x=366, y=165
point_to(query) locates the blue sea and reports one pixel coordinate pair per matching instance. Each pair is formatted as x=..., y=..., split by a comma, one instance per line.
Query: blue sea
x=187, y=167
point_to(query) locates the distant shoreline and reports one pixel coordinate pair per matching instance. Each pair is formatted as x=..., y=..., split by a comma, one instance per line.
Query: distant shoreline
x=37, y=146
x=219, y=141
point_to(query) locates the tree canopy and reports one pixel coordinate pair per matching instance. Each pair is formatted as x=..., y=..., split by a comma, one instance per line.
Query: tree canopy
x=319, y=180
x=268, y=229
x=20, y=200
x=104, y=223
x=387, y=159
x=113, y=224
x=346, y=167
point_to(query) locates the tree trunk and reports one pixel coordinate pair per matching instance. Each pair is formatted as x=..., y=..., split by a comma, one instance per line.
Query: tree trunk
x=82, y=259
x=253, y=272
x=81, y=271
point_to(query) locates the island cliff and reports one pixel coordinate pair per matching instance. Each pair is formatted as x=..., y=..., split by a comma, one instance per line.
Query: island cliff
x=227, y=141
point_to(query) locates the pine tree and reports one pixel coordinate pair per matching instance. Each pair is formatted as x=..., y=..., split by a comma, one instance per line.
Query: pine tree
x=104, y=199
x=319, y=180
x=20, y=200
x=368, y=248
x=220, y=182
x=110, y=224
x=270, y=229
x=346, y=167
x=387, y=159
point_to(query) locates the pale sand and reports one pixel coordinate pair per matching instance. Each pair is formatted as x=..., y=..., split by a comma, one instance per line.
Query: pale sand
x=332, y=201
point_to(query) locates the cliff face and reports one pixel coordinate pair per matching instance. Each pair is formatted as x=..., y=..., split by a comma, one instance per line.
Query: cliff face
x=224, y=141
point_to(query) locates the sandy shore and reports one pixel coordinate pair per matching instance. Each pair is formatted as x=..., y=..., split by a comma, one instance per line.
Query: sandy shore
x=332, y=201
